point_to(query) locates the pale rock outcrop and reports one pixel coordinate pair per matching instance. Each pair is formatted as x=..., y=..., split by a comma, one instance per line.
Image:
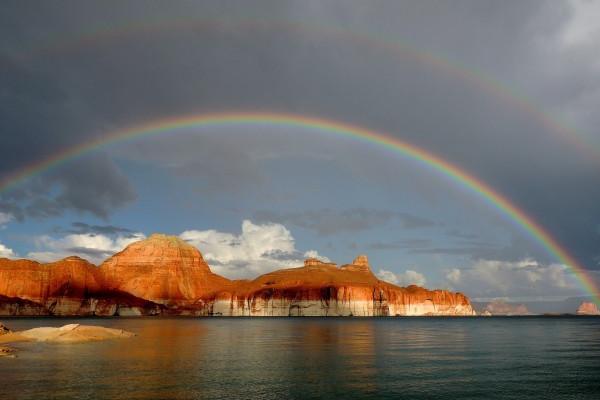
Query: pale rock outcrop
x=4, y=330
x=71, y=333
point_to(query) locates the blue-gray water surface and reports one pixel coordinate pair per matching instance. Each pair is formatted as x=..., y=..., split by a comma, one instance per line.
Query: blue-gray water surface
x=279, y=358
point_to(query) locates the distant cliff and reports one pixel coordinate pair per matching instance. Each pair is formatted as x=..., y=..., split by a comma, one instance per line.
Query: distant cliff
x=500, y=307
x=165, y=275
x=588, y=308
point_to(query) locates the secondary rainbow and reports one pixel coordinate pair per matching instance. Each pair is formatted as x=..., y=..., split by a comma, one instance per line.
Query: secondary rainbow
x=421, y=156
x=586, y=146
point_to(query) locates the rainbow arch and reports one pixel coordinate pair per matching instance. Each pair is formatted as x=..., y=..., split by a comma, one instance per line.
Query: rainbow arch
x=414, y=153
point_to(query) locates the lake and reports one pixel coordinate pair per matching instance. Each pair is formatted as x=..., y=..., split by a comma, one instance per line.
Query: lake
x=278, y=358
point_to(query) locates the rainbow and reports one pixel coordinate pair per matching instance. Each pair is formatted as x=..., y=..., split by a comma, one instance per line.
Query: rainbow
x=416, y=154
x=586, y=146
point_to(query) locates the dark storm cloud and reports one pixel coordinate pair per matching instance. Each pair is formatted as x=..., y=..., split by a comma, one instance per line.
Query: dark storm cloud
x=329, y=222
x=94, y=185
x=38, y=118
x=57, y=91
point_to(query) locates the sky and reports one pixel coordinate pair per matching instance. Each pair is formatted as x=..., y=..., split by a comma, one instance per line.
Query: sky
x=507, y=91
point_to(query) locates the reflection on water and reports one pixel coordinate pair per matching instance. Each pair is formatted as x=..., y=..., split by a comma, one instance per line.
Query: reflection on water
x=310, y=358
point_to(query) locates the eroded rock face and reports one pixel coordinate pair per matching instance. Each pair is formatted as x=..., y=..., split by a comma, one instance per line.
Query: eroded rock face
x=588, y=308
x=59, y=288
x=322, y=289
x=165, y=275
x=71, y=286
x=163, y=269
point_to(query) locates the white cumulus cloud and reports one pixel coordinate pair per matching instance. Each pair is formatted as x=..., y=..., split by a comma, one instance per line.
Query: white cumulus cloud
x=6, y=252
x=258, y=249
x=453, y=276
x=409, y=277
x=93, y=247
x=493, y=278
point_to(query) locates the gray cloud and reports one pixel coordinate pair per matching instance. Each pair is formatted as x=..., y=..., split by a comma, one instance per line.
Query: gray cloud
x=405, y=244
x=84, y=228
x=329, y=222
x=460, y=234
x=475, y=251
x=514, y=250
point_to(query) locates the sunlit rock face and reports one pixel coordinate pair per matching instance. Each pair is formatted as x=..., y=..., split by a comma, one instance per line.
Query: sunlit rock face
x=71, y=286
x=163, y=269
x=588, y=308
x=165, y=275
x=322, y=289
x=60, y=288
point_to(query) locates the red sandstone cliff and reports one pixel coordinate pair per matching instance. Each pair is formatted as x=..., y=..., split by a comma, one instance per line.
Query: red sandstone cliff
x=164, y=274
x=163, y=269
x=324, y=289
x=71, y=286
x=60, y=287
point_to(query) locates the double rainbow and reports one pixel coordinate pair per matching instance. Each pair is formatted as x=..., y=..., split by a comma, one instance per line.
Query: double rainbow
x=420, y=156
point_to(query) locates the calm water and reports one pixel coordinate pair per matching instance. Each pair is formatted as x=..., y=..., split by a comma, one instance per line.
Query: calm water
x=412, y=358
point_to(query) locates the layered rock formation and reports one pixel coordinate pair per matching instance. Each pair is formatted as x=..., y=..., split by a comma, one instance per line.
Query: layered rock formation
x=71, y=286
x=588, y=308
x=165, y=275
x=62, y=287
x=163, y=269
x=323, y=289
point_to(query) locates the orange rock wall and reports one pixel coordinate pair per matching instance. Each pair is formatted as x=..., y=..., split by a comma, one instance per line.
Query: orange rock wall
x=165, y=275
x=163, y=269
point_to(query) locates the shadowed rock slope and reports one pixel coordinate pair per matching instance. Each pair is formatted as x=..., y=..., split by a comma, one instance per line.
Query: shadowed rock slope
x=165, y=275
